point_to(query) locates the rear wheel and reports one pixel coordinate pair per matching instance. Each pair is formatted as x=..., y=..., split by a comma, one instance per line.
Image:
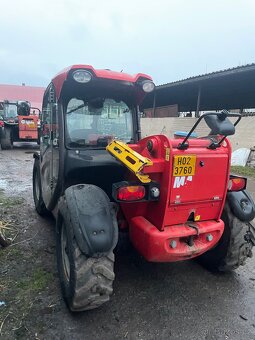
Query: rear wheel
x=86, y=282
x=37, y=190
x=6, y=140
x=234, y=247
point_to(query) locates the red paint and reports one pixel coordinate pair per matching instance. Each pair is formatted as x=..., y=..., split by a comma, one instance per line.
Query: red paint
x=59, y=79
x=28, y=127
x=153, y=224
x=154, y=245
x=205, y=195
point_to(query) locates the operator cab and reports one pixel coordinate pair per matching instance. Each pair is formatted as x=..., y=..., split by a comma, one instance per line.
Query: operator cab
x=15, y=109
x=83, y=110
x=9, y=110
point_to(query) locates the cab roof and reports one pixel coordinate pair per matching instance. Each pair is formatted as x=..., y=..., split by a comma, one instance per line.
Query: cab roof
x=60, y=78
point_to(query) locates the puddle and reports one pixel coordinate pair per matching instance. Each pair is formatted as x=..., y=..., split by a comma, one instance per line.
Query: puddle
x=16, y=188
x=3, y=184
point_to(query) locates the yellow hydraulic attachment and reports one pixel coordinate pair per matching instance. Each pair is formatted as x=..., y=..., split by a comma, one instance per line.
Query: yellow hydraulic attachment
x=131, y=159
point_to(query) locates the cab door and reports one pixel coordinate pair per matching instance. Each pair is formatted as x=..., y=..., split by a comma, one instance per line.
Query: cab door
x=49, y=149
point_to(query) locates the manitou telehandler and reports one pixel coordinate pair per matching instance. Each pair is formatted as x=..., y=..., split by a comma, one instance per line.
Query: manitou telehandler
x=175, y=196
x=19, y=122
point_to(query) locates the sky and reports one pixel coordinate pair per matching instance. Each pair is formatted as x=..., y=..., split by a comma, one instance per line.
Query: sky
x=169, y=40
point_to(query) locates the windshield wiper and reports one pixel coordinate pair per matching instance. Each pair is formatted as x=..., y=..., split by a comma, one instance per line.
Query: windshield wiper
x=77, y=108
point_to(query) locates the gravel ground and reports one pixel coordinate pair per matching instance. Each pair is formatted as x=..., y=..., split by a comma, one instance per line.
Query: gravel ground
x=150, y=301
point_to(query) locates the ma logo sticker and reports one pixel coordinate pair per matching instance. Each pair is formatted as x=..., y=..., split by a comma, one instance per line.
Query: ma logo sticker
x=181, y=181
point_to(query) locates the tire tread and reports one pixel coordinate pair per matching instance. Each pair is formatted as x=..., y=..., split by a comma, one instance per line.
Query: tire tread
x=91, y=285
x=233, y=248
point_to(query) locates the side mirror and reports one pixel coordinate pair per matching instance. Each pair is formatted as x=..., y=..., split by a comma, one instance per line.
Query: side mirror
x=220, y=124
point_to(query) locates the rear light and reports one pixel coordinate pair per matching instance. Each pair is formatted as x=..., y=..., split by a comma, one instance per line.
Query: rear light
x=1, y=123
x=135, y=192
x=236, y=183
x=131, y=193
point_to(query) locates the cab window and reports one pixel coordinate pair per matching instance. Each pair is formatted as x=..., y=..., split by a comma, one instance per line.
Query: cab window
x=96, y=122
x=49, y=124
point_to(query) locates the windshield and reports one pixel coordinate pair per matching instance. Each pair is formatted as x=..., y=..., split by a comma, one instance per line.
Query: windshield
x=10, y=110
x=97, y=122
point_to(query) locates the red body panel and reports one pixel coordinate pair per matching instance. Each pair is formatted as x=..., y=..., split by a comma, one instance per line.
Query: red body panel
x=28, y=127
x=204, y=195
x=59, y=79
x=155, y=245
x=198, y=198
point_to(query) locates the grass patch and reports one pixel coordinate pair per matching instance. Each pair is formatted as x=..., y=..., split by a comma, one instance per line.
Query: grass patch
x=20, y=289
x=9, y=253
x=38, y=281
x=243, y=170
x=7, y=202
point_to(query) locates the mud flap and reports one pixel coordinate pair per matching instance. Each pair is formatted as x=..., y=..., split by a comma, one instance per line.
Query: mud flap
x=241, y=205
x=93, y=218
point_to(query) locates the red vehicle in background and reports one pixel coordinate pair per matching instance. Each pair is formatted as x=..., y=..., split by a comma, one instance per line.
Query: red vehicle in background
x=19, y=122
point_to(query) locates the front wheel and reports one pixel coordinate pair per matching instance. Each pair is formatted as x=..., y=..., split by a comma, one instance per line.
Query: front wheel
x=37, y=190
x=86, y=282
x=234, y=247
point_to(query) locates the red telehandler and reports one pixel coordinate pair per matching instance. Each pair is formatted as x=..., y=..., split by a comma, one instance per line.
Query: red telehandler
x=19, y=122
x=174, y=196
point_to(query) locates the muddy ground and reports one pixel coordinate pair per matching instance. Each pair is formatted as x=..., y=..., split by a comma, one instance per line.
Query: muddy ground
x=150, y=301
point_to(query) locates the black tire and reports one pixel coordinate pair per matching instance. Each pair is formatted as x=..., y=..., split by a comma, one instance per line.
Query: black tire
x=38, y=138
x=86, y=282
x=6, y=140
x=234, y=247
x=37, y=190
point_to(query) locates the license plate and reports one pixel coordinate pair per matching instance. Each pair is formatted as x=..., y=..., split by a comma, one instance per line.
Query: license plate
x=184, y=165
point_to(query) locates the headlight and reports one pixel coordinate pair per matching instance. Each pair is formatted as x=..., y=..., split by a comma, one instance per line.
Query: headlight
x=148, y=86
x=82, y=76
